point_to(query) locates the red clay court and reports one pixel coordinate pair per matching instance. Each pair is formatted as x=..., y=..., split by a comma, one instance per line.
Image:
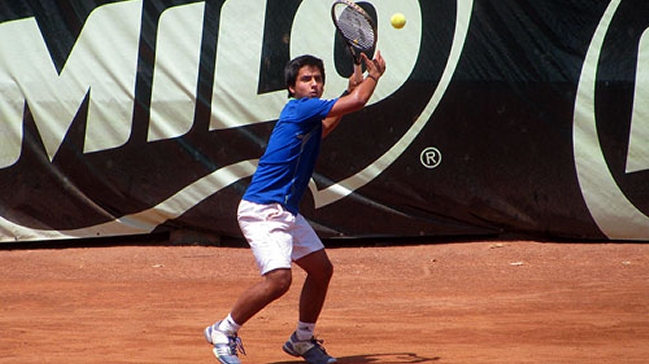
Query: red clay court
x=499, y=302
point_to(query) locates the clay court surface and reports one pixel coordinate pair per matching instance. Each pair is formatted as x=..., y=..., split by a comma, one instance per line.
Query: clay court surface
x=452, y=302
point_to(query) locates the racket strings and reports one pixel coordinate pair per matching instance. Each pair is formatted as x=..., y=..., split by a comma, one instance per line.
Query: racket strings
x=355, y=27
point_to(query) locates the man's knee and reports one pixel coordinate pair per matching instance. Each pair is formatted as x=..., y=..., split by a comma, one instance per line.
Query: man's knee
x=279, y=281
x=318, y=266
x=327, y=270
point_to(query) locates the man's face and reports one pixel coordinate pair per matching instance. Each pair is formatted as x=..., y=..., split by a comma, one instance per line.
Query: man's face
x=308, y=83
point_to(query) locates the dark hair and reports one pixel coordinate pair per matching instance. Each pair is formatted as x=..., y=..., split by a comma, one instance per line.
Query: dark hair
x=293, y=68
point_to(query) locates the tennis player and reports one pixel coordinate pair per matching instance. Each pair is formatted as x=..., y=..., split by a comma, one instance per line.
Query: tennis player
x=268, y=214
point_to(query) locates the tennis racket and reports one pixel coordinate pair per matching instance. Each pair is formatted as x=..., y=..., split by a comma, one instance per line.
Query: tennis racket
x=356, y=28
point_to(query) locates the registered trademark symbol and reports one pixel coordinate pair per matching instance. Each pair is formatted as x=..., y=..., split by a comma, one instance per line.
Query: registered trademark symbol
x=430, y=157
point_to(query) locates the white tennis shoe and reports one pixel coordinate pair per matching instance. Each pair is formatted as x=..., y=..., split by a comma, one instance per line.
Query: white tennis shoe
x=225, y=347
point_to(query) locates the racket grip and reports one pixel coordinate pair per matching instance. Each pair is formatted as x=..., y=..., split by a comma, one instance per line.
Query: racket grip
x=358, y=73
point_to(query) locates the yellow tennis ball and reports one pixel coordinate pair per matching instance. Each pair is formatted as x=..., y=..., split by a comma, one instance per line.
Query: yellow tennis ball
x=398, y=20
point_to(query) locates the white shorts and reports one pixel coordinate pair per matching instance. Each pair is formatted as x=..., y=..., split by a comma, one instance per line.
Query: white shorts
x=276, y=236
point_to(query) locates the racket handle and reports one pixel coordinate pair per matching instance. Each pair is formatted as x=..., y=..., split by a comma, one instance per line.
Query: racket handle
x=358, y=73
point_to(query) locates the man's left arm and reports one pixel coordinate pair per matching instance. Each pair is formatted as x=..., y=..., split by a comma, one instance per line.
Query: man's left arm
x=330, y=123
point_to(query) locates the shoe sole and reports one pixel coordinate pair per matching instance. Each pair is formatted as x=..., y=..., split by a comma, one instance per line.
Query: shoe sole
x=288, y=351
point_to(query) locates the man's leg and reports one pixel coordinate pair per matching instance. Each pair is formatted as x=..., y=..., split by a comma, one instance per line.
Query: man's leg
x=223, y=334
x=266, y=229
x=314, y=291
x=303, y=343
x=274, y=285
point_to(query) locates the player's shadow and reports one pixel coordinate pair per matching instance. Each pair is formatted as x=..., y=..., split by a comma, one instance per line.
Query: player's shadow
x=387, y=358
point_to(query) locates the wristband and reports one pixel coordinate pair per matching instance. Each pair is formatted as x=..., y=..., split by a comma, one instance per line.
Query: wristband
x=376, y=79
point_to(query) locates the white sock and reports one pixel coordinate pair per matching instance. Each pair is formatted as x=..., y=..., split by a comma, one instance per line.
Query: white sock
x=229, y=326
x=304, y=330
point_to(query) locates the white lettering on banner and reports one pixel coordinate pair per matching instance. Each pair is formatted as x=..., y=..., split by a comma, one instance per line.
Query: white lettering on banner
x=235, y=101
x=613, y=213
x=108, y=74
x=102, y=64
x=11, y=108
x=175, y=73
x=638, y=152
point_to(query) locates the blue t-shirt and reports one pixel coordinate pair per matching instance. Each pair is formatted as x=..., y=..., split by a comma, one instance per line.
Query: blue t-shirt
x=288, y=162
